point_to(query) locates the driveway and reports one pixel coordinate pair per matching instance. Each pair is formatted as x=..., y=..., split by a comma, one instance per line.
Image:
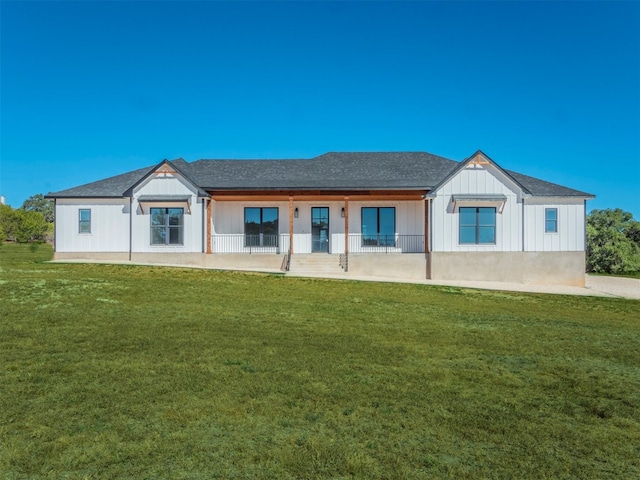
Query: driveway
x=615, y=286
x=596, y=285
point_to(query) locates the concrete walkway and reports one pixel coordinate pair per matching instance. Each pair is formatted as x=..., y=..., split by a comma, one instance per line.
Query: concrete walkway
x=615, y=286
x=596, y=285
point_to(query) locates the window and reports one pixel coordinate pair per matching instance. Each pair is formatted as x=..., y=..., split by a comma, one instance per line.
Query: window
x=167, y=226
x=477, y=225
x=378, y=226
x=551, y=220
x=261, y=227
x=84, y=223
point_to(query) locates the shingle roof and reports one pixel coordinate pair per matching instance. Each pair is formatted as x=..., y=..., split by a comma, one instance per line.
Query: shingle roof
x=331, y=171
x=542, y=188
x=109, y=187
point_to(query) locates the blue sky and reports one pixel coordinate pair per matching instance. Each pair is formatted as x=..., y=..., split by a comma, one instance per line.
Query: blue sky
x=94, y=89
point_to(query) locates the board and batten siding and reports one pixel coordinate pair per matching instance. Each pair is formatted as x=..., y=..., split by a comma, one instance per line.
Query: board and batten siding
x=570, y=236
x=483, y=180
x=409, y=215
x=109, y=225
x=193, y=222
x=302, y=240
x=228, y=219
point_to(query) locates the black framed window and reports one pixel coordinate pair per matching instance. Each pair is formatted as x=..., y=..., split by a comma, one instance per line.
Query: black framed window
x=477, y=225
x=261, y=226
x=378, y=226
x=84, y=220
x=551, y=220
x=167, y=226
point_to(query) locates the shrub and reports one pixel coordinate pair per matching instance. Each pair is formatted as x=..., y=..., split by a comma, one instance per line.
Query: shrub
x=613, y=242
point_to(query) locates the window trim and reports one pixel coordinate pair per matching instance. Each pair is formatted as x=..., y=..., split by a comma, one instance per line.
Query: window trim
x=477, y=226
x=82, y=222
x=261, y=234
x=166, y=227
x=363, y=240
x=548, y=210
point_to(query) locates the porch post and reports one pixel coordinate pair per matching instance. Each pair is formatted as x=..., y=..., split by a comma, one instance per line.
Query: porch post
x=346, y=224
x=290, y=223
x=209, y=202
x=426, y=225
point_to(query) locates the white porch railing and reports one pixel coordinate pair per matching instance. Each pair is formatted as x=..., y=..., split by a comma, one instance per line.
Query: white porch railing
x=252, y=244
x=358, y=243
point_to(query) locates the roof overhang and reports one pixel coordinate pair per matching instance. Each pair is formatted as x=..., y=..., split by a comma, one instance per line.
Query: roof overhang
x=165, y=199
x=479, y=200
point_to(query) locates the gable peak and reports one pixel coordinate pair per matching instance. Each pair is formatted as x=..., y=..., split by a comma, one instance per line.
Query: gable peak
x=165, y=169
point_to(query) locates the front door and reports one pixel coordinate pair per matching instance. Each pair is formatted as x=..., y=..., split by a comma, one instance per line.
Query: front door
x=320, y=229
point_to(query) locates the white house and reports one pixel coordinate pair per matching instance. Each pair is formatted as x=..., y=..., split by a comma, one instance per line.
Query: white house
x=398, y=215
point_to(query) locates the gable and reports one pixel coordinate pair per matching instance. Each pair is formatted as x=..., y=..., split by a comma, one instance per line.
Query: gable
x=164, y=186
x=165, y=179
x=479, y=176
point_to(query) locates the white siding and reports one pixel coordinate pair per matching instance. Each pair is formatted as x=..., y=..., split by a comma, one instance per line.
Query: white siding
x=409, y=216
x=571, y=225
x=193, y=222
x=228, y=219
x=478, y=179
x=302, y=226
x=109, y=225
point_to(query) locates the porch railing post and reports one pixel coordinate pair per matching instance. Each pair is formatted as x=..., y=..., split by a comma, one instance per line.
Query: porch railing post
x=209, y=202
x=427, y=204
x=346, y=225
x=290, y=224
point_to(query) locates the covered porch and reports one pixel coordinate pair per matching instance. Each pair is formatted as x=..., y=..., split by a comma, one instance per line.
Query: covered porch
x=338, y=223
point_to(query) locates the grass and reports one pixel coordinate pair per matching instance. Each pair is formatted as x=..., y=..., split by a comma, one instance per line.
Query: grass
x=628, y=274
x=113, y=371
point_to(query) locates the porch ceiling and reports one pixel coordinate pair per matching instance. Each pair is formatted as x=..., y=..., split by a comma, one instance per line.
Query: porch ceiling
x=315, y=195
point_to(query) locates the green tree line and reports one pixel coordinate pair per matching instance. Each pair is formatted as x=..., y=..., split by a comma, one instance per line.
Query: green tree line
x=613, y=242
x=32, y=222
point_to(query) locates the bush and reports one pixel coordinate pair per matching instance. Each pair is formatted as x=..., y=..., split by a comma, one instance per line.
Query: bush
x=21, y=225
x=613, y=242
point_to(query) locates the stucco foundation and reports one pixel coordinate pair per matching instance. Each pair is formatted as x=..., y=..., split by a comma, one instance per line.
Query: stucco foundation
x=536, y=268
x=259, y=263
x=92, y=256
x=187, y=259
x=243, y=261
x=403, y=266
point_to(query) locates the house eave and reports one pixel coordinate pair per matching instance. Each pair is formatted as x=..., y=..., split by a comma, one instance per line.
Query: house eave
x=84, y=197
x=314, y=189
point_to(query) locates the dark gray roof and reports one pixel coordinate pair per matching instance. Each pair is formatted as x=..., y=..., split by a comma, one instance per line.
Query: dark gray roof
x=331, y=171
x=109, y=187
x=542, y=188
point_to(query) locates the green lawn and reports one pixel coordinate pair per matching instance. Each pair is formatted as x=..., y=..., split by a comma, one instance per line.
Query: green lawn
x=628, y=275
x=113, y=371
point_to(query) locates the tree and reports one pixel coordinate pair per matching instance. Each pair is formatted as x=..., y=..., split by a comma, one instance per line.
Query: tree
x=22, y=225
x=6, y=214
x=37, y=203
x=8, y=222
x=33, y=227
x=613, y=242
